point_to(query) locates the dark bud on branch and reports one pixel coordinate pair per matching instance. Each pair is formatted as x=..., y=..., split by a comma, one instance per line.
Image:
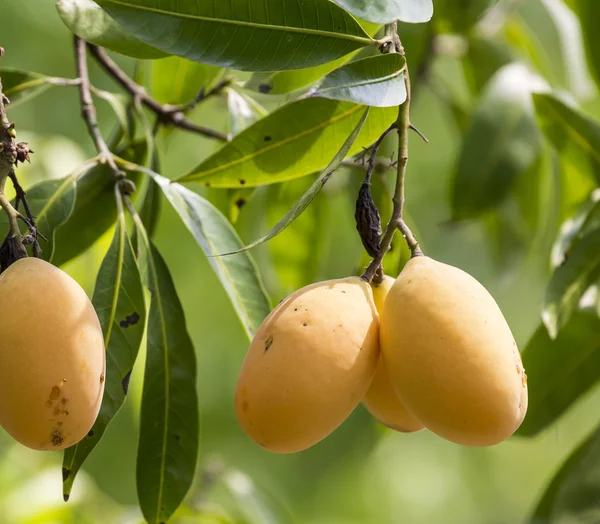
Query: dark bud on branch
x=11, y=251
x=23, y=153
x=368, y=222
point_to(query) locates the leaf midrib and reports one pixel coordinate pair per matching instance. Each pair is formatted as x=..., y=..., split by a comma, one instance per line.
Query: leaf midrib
x=289, y=29
x=194, y=175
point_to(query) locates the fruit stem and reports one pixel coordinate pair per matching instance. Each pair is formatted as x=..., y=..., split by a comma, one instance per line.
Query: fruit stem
x=396, y=221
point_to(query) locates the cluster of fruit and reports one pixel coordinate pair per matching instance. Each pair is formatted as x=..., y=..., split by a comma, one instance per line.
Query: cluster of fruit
x=430, y=349
x=52, y=359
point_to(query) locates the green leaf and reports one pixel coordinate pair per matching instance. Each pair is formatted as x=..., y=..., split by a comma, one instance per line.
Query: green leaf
x=151, y=206
x=51, y=202
x=460, y=17
x=214, y=234
x=501, y=143
x=269, y=35
x=570, y=280
x=312, y=191
x=572, y=495
x=377, y=81
x=282, y=82
x=19, y=86
x=95, y=210
x=564, y=125
x=386, y=11
x=169, y=428
x=119, y=301
x=589, y=13
x=88, y=21
x=560, y=371
x=294, y=141
x=177, y=80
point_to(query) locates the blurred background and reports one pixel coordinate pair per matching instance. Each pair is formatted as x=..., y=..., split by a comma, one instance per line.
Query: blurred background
x=362, y=473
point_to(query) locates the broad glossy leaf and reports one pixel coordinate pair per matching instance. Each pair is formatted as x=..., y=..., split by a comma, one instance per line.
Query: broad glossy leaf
x=19, y=86
x=501, y=143
x=313, y=190
x=270, y=35
x=88, y=21
x=572, y=495
x=376, y=81
x=386, y=11
x=565, y=125
x=560, y=371
x=570, y=280
x=176, y=80
x=168, y=444
x=95, y=210
x=296, y=140
x=281, y=82
x=214, y=234
x=119, y=301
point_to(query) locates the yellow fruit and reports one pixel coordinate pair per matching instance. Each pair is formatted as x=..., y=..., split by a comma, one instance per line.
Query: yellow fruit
x=381, y=400
x=52, y=359
x=451, y=356
x=309, y=365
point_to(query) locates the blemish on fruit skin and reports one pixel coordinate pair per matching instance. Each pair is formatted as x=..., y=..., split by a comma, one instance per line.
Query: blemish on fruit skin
x=304, y=324
x=268, y=342
x=245, y=405
x=57, y=438
x=54, y=392
x=48, y=403
x=56, y=411
x=64, y=400
x=66, y=412
x=101, y=378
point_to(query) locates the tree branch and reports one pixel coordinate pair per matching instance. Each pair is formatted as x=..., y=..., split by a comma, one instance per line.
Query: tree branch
x=166, y=114
x=88, y=110
x=397, y=221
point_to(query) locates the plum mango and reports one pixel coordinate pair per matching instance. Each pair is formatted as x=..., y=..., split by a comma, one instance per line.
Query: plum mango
x=451, y=356
x=52, y=359
x=381, y=399
x=310, y=364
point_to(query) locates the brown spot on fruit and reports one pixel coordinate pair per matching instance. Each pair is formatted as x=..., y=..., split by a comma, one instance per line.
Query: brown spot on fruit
x=64, y=400
x=305, y=324
x=101, y=378
x=56, y=410
x=245, y=405
x=57, y=438
x=269, y=342
x=54, y=392
x=66, y=412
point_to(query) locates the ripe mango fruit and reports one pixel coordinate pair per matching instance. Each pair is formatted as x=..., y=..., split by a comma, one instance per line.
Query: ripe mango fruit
x=451, y=356
x=52, y=359
x=381, y=400
x=309, y=365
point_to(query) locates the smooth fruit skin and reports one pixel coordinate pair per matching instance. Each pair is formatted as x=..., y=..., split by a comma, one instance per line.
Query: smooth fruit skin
x=381, y=400
x=52, y=359
x=451, y=356
x=309, y=365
